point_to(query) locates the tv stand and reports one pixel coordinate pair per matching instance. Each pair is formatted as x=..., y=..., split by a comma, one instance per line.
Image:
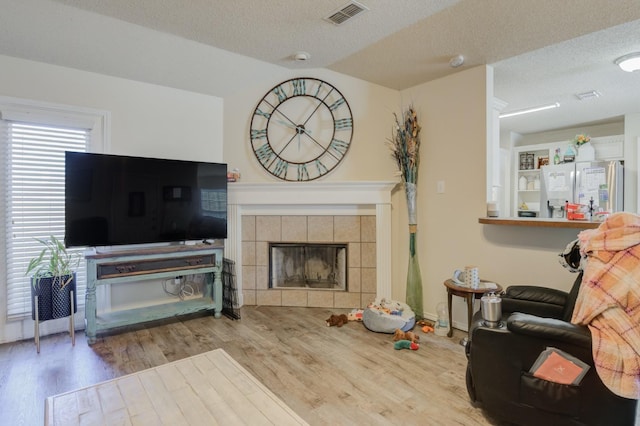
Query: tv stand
x=161, y=262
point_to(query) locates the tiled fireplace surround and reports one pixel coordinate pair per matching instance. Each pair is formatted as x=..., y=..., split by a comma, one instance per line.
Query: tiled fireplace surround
x=357, y=213
x=358, y=232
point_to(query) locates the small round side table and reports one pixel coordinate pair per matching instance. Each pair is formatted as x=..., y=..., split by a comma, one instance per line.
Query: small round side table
x=469, y=294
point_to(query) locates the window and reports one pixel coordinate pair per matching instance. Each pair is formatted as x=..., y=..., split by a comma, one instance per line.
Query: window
x=33, y=190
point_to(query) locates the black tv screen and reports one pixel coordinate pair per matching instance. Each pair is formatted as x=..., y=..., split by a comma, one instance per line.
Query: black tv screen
x=120, y=200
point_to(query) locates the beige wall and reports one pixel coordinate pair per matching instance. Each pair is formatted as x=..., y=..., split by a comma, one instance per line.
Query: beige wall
x=453, y=115
x=372, y=106
x=146, y=119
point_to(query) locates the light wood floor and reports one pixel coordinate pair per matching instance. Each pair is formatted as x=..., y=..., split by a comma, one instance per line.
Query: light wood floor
x=327, y=375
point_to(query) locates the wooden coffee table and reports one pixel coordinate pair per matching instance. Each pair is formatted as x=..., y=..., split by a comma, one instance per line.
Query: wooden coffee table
x=469, y=294
x=206, y=389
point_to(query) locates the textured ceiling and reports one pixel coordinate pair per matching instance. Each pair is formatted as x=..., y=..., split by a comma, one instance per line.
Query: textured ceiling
x=542, y=50
x=271, y=31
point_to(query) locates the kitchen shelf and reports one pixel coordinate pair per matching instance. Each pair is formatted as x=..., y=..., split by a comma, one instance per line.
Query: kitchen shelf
x=539, y=222
x=527, y=196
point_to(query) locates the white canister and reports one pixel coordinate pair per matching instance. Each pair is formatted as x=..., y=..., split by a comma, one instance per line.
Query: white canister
x=586, y=152
x=522, y=183
x=492, y=209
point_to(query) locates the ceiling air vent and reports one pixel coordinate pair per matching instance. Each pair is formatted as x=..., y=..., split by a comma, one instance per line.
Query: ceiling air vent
x=588, y=95
x=346, y=12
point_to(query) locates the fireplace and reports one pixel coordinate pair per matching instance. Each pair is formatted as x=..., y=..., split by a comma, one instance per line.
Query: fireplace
x=308, y=265
x=355, y=213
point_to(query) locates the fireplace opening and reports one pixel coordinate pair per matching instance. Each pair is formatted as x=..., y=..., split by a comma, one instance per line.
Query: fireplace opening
x=308, y=265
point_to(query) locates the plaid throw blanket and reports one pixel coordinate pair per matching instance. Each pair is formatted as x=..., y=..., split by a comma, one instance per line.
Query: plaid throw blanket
x=609, y=301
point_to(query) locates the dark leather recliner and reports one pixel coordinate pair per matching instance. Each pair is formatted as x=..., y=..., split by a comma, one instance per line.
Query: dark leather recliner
x=499, y=360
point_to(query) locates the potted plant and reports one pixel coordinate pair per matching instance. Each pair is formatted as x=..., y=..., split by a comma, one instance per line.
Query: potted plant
x=52, y=280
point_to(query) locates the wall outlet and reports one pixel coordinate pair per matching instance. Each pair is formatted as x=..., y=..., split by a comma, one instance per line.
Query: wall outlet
x=440, y=187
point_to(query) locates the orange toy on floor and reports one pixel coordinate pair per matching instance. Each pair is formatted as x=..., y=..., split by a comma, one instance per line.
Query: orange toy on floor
x=427, y=326
x=405, y=335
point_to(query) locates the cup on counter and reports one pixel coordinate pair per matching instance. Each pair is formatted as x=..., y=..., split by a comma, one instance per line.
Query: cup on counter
x=469, y=277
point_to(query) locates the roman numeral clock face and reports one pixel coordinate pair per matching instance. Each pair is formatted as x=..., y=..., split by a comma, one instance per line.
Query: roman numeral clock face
x=301, y=129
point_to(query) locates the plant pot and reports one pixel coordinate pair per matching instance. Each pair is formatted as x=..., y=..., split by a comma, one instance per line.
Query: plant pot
x=54, y=300
x=42, y=289
x=586, y=152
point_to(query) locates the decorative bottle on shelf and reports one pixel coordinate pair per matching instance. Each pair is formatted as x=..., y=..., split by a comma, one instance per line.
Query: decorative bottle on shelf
x=569, y=155
x=556, y=157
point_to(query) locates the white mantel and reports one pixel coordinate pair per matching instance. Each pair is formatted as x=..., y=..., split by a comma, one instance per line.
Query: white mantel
x=313, y=198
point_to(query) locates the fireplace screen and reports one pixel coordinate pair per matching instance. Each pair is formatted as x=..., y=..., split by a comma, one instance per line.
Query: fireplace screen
x=308, y=265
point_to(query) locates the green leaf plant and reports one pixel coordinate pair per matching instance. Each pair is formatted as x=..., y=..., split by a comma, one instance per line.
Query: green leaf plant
x=53, y=261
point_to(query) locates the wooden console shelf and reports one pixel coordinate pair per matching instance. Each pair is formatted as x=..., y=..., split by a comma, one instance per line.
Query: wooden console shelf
x=164, y=262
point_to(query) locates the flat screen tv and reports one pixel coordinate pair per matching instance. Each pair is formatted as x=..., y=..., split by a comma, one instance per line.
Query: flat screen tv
x=120, y=200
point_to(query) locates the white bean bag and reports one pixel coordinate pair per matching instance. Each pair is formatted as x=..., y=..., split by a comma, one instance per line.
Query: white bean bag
x=386, y=316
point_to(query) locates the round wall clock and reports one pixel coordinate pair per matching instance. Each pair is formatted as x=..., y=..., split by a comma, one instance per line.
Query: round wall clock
x=301, y=129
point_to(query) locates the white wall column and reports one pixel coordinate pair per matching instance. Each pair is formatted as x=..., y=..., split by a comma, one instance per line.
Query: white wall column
x=383, y=250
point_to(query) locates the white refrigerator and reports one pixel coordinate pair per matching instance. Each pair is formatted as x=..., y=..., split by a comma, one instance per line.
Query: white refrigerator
x=579, y=183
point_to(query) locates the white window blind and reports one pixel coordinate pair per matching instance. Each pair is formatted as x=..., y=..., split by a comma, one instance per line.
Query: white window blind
x=34, y=195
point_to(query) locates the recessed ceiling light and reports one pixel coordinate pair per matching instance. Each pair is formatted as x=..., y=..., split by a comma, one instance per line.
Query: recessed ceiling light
x=528, y=110
x=630, y=62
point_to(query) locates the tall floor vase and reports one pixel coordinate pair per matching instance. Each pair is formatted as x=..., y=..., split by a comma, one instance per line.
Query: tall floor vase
x=414, y=279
